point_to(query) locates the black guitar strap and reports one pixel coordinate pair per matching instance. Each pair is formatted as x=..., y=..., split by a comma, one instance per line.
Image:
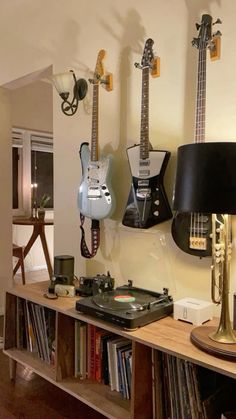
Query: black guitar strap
x=95, y=238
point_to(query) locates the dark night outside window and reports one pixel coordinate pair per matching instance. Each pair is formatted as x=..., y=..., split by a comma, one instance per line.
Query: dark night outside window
x=15, y=160
x=42, y=175
x=32, y=163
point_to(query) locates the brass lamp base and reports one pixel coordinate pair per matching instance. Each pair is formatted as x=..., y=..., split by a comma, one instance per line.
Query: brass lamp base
x=200, y=338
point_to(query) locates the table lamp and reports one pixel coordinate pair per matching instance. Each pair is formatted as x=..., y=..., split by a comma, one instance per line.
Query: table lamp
x=206, y=183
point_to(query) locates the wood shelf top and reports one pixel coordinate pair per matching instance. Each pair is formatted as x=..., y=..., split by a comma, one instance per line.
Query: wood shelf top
x=168, y=335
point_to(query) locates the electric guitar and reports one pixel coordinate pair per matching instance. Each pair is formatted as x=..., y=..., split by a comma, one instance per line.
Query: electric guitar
x=192, y=231
x=147, y=202
x=96, y=198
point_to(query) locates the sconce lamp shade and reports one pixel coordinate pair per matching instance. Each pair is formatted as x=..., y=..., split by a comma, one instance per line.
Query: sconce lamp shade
x=206, y=178
x=63, y=82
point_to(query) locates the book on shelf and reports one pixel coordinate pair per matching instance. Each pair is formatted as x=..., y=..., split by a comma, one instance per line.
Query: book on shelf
x=104, y=353
x=99, y=333
x=180, y=391
x=124, y=353
x=111, y=369
x=80, y=361
x=35, y=328
x=91, y=351
x=77, y=349
x=157, y=385
x=116, y=363
x=21, y=339
x=83, y=351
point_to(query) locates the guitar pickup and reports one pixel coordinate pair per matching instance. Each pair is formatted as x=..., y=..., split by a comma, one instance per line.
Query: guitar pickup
x=144, y=173
x=94, y=193
x=198, y=243
x=144, y=162
x=143, y=183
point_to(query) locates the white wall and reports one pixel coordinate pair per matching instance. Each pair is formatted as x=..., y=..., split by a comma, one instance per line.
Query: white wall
x=73, y=33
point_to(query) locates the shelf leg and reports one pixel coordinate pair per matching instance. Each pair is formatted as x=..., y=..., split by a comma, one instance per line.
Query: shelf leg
x=12, y=369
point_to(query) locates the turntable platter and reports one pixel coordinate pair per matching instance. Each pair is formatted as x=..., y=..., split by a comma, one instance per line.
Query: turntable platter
x=119, y=300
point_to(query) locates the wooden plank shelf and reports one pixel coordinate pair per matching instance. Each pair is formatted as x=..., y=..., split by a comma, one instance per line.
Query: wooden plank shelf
x=166, y=335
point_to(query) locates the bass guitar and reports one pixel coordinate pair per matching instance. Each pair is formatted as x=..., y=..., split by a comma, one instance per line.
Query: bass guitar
x=192, y=231
x=147, y=202
x=96, y=198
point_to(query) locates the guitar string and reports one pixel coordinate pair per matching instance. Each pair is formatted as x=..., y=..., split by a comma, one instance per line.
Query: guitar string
x=144, y=147
x=197, y=219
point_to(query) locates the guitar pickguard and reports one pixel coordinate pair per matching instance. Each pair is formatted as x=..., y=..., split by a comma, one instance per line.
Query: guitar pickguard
x=95, y=197
x=147, y=202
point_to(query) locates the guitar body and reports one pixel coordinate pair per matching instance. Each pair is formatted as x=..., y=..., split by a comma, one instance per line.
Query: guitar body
x=147, y=203
x=192, y=231
x=181, y=234
x=95, y=197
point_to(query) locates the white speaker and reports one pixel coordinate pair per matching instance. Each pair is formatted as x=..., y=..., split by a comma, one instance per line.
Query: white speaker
x=193, y=311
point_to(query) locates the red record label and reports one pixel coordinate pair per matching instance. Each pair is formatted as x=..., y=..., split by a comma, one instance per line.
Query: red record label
x=124, y=298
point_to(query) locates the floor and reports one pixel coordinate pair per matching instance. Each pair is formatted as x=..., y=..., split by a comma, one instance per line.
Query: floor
x=32, y=397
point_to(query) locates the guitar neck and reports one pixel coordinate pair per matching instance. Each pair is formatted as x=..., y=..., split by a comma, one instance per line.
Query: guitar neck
x=201, y=97
x=94, y=139
x=144, y=131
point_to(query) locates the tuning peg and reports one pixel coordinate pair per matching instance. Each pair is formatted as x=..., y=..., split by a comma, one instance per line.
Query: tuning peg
x=217, y=33
x=137, y=65
x=198, y=26
x=217, y=21
x=195, y=42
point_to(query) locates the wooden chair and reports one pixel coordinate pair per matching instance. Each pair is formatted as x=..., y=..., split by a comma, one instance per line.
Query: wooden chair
x=18, y=252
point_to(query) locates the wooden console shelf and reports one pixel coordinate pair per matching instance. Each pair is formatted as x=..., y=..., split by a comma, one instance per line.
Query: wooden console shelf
x=166, y=335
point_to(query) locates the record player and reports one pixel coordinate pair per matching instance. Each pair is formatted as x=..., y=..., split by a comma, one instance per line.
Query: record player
x=127, y=306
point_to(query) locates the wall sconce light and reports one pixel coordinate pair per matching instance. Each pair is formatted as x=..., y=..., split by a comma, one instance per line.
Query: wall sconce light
x=63, y=82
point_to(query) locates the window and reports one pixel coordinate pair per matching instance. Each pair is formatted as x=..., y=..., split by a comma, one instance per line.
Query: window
x=32, y=163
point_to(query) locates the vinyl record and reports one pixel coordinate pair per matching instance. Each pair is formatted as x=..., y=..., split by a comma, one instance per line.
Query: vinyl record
x=119, y=300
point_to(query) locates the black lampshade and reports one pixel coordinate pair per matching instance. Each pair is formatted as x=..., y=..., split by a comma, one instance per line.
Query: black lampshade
x=206, y=178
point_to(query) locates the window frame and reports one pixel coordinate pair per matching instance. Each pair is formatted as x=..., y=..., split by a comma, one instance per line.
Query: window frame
x=23, y=139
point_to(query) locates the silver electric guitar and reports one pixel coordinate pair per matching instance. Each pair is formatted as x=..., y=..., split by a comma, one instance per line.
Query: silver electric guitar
x=96, y=198
x=147, y=202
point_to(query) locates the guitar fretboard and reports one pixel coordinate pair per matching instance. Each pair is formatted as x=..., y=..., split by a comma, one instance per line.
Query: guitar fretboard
x=201, y=96
x=144, y=131
x=94, y=139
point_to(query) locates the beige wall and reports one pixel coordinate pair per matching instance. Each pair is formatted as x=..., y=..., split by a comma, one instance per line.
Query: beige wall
x=5, y=201
x=73, y=33
x=32, y=106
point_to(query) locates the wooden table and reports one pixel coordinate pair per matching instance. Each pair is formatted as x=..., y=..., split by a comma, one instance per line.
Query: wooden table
x=38, y=230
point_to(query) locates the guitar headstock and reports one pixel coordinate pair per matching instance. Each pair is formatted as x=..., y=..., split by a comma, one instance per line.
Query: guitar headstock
x=207, y=39
x=149, y=60
x=99, y=69
x=148, y=55
x=107, y=80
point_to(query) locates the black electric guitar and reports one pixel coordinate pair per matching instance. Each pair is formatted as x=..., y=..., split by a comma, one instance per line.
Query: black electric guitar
x=147, y=202
x=192, y=231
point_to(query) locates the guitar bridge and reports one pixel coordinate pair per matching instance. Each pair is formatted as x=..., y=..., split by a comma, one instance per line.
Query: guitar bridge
x=143, y=193
x=198, y=243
